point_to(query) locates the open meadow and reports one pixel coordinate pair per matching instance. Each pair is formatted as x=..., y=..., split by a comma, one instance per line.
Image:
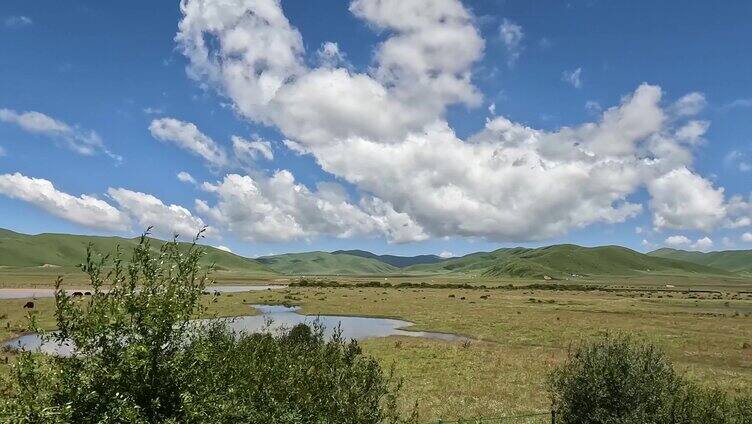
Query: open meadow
x=517, y=336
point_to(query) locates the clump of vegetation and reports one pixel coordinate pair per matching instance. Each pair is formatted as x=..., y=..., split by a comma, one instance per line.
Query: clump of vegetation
x=141, y=357
x=304, y=282
x=617, y=380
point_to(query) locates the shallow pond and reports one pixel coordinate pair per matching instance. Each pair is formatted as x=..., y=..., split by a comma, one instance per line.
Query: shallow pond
x=274, y=318
x=40, y=293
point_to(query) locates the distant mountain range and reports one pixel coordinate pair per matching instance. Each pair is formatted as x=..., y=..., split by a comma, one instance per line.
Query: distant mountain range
x=396, y=261
x=565, y=260
x=558, y=261
x=323, y=263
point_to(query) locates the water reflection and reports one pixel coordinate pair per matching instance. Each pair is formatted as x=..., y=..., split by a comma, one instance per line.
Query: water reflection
x=275, y=318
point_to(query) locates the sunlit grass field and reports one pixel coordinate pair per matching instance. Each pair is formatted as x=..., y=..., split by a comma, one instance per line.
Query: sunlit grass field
x=518, y=335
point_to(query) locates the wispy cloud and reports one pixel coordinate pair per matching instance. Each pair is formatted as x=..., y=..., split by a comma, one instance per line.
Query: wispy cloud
x=738, y=103
x=18, y=21
x=187, y=136
x=84, y=142
x=153, y=110
x=512, y=35
x=593, y=107
x=739, y=160
x=573, y=77
x=186, y=177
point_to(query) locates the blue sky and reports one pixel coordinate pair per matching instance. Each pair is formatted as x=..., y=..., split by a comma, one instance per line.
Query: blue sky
x=119, y=115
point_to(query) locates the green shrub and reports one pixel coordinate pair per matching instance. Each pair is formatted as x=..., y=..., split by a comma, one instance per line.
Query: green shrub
x=141, y=358
x=615, y=380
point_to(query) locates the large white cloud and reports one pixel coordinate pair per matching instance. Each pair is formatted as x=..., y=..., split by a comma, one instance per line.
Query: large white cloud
x=279, y=209
x=258, y=49
x=132, y=210
x=84, y=210
x=683, y=200
x=148, y=211
x=81, y=141
x=679, y=241
x=385, y=132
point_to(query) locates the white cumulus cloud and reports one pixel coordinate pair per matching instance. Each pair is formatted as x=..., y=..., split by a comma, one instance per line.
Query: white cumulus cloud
x=677, y=241
x=703, y=244
x=84, y=209
x=684, y=200
x=186, y=135
x=279, y=209
x=329, y=55
x=690, y=104
x=130, y=208
x=384, y=131
x=148, y=211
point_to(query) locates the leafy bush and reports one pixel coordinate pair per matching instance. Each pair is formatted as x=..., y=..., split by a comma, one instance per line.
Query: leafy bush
x=140, y=357
x=616, y=380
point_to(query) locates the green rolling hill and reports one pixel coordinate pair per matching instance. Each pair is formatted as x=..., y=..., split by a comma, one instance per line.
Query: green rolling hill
x=398, y=261
x=323, y=263
x=739, y=261
x=49, y=251
x=565, y=260
x=65, y=250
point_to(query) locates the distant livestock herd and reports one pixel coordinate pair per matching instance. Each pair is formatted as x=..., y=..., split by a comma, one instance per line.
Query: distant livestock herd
x=30, y=305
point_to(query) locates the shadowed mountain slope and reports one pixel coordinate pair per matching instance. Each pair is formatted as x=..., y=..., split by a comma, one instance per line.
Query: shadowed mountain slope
x=397, y=261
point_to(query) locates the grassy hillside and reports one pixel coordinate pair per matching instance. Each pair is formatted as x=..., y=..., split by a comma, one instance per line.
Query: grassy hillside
x=564, y=261
x=60, y=253
x=65, y=250
x=729, y=260
x=323, y=263
x=398, y=261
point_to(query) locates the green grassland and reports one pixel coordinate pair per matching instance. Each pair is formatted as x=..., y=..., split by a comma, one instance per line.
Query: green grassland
x=35, y=260
x=739, y=261
x=518, y=335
